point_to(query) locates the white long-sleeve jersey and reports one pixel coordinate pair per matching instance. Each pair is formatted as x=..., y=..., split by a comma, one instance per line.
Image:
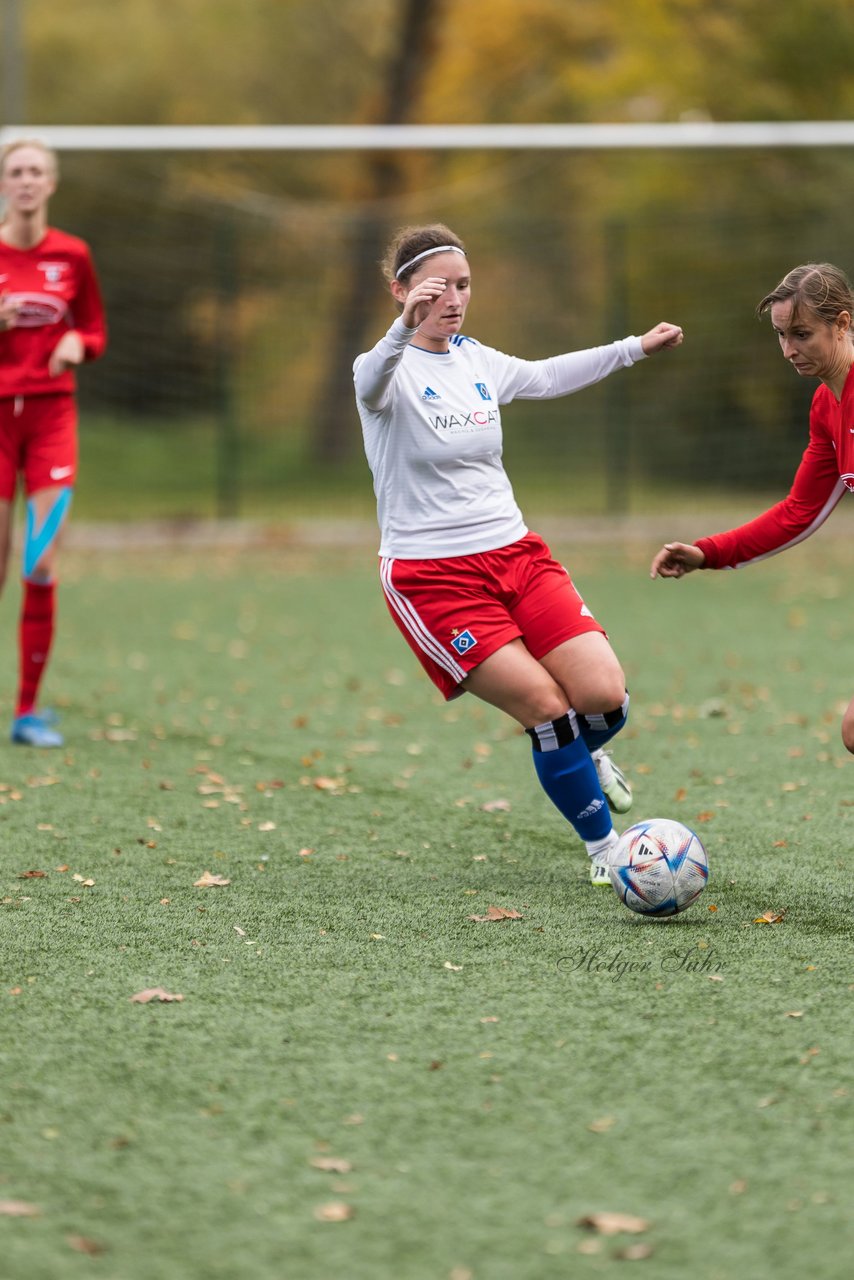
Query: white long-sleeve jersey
x=432, y=429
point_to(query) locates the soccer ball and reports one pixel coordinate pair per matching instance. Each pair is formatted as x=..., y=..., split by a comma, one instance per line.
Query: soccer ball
x=659, y=867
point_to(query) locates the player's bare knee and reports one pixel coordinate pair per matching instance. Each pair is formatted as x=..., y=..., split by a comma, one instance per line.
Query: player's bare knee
x=42, y=573
x=848, y=732
x=546, y=705
x=601, y=696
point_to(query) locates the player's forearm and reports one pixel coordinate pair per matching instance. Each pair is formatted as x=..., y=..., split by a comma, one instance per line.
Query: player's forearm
x=375, y=370
x=563, y=374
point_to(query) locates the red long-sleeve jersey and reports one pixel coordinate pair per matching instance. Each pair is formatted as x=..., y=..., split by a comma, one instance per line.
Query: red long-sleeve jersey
x=825, y=472
x=56, y=285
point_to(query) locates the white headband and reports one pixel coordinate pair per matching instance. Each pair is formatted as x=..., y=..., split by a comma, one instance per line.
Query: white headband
x=440, y=248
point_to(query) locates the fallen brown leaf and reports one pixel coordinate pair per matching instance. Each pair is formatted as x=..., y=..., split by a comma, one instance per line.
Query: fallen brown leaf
x=82, y=1244
x=331, y=1164
x=334, y=1211
x=153, y=993
x=603, y=1124
x=32, y=875
x=18, y=1209
x=770, y=917
x=496, y=806
x=612, y=1224
x=208, y=880
x=497, y=913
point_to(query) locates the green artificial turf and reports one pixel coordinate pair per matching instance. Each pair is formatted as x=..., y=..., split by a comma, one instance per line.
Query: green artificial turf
x=478, y=1087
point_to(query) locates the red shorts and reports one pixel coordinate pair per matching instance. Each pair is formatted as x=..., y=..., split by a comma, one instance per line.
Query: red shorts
x=455, y=612
x=38, y=438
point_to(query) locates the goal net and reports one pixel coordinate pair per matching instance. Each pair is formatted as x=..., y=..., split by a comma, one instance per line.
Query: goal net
x=240, y=270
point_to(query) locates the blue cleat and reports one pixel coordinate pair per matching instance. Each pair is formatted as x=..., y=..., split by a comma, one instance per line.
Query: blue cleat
x=33, y=730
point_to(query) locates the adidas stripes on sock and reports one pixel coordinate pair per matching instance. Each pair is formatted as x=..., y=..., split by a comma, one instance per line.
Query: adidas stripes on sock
x=568, y=776
x=597, y=728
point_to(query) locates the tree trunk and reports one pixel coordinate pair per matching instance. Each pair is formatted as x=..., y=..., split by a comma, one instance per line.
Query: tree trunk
x=334, y=433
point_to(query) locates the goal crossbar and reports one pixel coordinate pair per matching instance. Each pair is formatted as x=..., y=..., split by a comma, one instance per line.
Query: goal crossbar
x=445, y=137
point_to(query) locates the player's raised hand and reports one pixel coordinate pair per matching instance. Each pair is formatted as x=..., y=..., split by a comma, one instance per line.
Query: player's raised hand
x=661, y=338
x=675, y=559
x=420, y=299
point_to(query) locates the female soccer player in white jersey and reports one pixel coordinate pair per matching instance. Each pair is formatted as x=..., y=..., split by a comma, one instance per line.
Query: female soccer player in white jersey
x=51, y=319
x=811, y=311
x=478, y=597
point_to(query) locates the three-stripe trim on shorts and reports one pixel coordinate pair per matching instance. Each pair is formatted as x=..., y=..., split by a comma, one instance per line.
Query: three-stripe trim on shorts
x=413, y=624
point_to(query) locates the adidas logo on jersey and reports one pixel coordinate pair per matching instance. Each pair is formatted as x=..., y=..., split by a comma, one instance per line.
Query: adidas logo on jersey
x=429, y=394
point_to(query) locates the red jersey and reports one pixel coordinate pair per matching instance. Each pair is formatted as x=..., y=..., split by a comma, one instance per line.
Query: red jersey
x=56, y=285
x=825, y=472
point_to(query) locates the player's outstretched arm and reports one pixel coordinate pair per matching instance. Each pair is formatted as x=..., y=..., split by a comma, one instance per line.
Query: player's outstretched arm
x=661, y=338
x=675, y=559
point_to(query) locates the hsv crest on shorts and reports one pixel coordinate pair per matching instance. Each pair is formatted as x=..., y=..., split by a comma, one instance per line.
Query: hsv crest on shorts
x=463, y=642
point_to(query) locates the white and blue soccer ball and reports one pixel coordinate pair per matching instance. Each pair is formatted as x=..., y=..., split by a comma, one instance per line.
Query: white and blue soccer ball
x=659, y=867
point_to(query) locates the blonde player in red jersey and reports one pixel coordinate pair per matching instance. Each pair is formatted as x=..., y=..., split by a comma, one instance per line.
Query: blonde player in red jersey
x=812, y=312
x=51, y=319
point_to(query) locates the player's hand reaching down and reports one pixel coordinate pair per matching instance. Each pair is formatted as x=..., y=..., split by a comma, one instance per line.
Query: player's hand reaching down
x=661, y=338
x=675, y=559
x=68, y=351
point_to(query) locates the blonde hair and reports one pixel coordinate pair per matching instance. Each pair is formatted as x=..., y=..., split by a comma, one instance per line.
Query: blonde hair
x=16, y=145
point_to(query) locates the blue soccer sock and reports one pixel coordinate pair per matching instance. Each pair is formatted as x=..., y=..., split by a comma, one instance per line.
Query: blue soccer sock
x=597, y=728
x=568, y=776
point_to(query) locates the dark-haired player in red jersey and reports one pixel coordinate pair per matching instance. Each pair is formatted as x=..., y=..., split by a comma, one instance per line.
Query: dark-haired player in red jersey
x=51, y=319
x=812, y=312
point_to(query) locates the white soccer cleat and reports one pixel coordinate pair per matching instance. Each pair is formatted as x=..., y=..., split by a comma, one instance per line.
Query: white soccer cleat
x=600, y=853
x=613, y=782
x=599, y=873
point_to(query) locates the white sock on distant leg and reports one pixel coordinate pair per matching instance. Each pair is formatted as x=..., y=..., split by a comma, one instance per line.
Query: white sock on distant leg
x=599, y=849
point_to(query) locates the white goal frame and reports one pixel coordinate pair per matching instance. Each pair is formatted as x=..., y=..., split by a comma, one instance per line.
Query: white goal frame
x=444, y=137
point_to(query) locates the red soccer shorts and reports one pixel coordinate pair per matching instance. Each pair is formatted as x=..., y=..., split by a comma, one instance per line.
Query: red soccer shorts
x=38, y=438
x=455, y=612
